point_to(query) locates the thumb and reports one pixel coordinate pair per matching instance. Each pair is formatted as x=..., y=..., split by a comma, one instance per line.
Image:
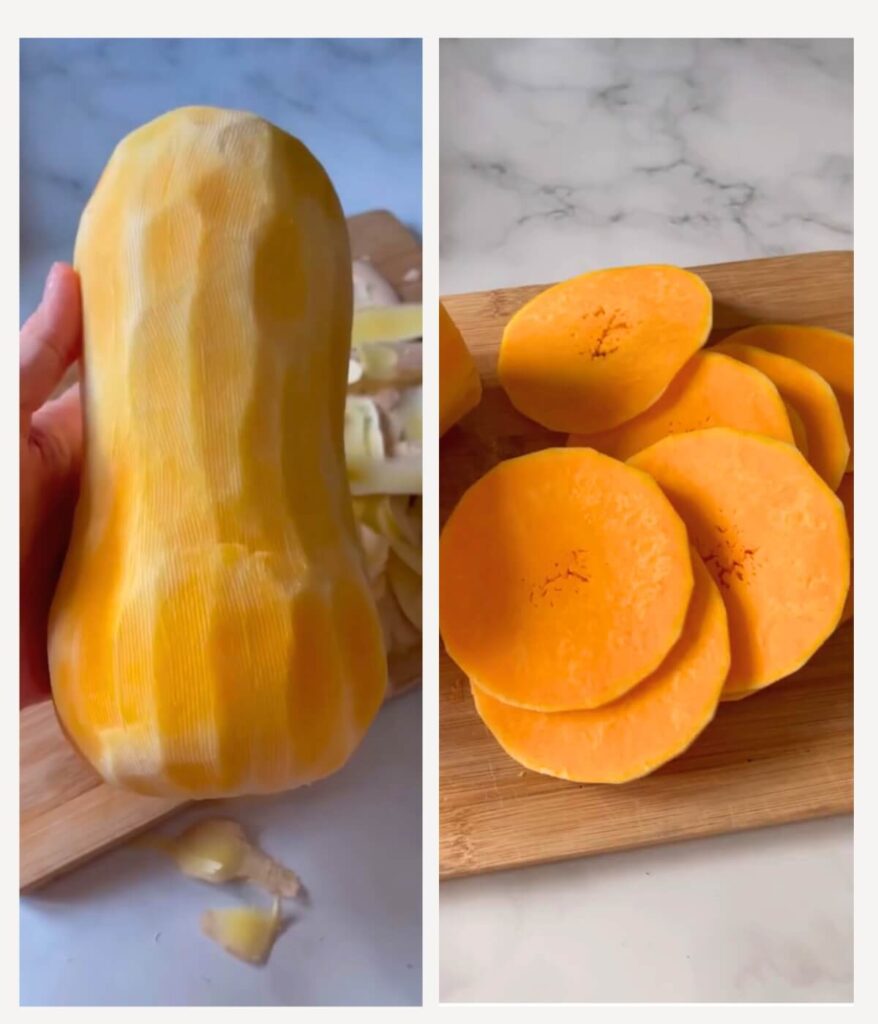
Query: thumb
x=51, y=339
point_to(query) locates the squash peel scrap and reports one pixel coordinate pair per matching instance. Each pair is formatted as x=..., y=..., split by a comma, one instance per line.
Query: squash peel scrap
x=376, y=324
x=383, y=442
x=248, y=933
x=217, y=850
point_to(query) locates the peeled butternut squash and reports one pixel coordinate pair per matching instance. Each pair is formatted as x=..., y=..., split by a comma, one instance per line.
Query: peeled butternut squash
x=213, y=631
x=595, y=351
x=830, y=353
x=646, y=727
x=772, y=534
x=564, y=579
x=813, y=399
x=711, y=390
x=460, y=388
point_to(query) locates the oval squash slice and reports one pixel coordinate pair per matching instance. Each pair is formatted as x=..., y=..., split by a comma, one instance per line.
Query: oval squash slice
x=639, y=732
x=797, y=424
x=712, y=390
x=460, y=388
x=564, y=579
x=830, y=353
x=813, y=399
x=592, y=352
x=773, y=536
x=846, y=494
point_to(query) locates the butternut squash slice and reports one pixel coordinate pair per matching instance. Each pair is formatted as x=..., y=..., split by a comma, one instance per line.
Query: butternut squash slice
x=772, y=534
x=812, y=398
x=564, y=579
x=830, y=353
x=642, y=730
x=213, y=632
x=711, y=390
x=800, y=435
x=595, y=351
x=460, y=388
x=846, y=494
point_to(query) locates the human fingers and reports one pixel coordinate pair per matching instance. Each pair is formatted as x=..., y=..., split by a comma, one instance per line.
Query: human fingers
x=51, y=338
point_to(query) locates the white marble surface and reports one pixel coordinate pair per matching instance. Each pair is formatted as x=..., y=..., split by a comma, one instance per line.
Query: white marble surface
x=124, y=929
x=558, y=157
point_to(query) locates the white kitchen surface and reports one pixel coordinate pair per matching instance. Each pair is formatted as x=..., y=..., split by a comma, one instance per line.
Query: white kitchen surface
x=562, y=156
x=125, y=928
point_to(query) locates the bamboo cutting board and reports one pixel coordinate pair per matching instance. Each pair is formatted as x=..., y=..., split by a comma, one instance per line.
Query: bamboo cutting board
x=782, y=755
x=66, y=813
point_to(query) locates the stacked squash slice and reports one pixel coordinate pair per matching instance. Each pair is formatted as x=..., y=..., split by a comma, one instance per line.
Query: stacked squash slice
x=690, y=545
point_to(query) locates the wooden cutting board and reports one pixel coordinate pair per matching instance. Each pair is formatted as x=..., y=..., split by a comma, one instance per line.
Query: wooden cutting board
x=66, y=813
x=782, y=755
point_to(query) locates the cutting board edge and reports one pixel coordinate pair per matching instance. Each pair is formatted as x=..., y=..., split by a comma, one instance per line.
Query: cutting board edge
x=447, y=874
x=793, y=256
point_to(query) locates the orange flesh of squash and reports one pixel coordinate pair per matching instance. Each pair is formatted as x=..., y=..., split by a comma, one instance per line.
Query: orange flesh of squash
x=813, y=399
x=846, y=494
x=830, y=353
x=460, y=388
x=772, y=534
x=797, y=424
x=564, y=579
x=592, y=352
x=639, y=732
x=711, y=390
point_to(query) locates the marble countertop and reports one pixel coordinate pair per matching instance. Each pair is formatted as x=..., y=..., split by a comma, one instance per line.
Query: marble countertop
x=124, y=929
x=558, y=157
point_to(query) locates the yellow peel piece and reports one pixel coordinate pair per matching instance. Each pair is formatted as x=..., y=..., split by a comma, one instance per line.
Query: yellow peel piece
x=387, y=323
x=399, y=475
x=363, y=437
x=398, y=518
x=399, y=633
x=376, y=549
x=217, y=850
x=406, y=587
x=398, y=361
x=246, y=932
x=410, y=413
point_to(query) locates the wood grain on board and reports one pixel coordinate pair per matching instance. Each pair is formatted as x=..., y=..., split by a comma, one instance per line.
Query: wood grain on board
x=67, y=814
x=782, y=755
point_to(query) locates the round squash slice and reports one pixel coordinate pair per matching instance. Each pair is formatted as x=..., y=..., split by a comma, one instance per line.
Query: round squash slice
x=830, y=353
x=649, y=725
x=594, y=351
x=846, y=494
x=800, y=435
x=564, y=579
x=773, y=536
x=712, y=390
x=813, y=399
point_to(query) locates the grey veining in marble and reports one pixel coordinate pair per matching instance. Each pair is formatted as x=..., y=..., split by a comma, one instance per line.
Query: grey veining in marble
x=355, y=103
x=561, y=156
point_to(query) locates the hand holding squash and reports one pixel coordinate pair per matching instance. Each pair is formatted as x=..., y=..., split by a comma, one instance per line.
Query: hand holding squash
x=50, y=449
